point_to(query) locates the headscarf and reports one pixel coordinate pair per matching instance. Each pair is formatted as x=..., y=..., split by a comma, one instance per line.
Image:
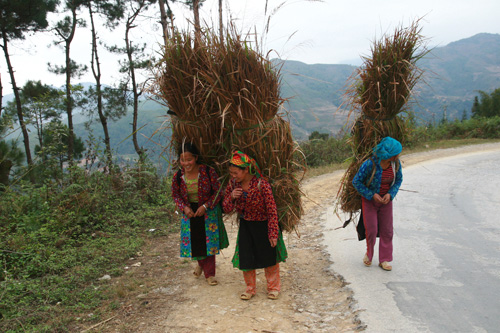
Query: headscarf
x=241, y=159
x=387, y=148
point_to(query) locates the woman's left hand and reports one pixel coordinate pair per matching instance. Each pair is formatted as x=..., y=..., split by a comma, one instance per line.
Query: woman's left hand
x=200, y=211
x=273, y=242
x=386, y=199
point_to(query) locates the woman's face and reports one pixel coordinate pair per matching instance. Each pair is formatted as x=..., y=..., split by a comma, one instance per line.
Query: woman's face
x=394, y=158
x=238, y=174
x=188, y=161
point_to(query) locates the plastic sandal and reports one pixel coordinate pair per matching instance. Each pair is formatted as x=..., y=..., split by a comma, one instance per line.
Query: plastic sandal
x=274, y=294
x=212, y=281
x=366, y=261
x=385, y=266
x=246, y=296
x=197, y=271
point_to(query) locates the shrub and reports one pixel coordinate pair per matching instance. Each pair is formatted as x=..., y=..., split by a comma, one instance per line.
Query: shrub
x=58, y=238
x=325, y=151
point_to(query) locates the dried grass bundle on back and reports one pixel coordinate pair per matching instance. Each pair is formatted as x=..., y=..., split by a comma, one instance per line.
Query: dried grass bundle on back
x=380, y=91
x=272, y=146
x=226, y=95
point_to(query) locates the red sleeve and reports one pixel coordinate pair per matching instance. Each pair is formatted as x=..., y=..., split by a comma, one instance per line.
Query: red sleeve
x=228, y=203
x=215, y=185
x=176, y=193
x=272, y=210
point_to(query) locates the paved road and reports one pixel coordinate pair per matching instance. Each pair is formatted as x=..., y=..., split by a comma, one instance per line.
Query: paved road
x=446, y=275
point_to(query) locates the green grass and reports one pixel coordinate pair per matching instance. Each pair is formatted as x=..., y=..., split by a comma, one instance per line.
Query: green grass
x=57, y=240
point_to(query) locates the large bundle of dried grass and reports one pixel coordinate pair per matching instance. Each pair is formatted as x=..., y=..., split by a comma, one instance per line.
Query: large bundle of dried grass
x=381, y=90
x=226, y=96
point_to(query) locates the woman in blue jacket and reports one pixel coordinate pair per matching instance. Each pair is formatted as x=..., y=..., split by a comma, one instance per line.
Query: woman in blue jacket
x=378, y=181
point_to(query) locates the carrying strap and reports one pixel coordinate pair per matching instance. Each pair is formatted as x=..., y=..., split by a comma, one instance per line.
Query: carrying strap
x=373, y=172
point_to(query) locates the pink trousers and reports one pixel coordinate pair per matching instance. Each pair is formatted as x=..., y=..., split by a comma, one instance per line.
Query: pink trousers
x=272, y=277
x=378, y=219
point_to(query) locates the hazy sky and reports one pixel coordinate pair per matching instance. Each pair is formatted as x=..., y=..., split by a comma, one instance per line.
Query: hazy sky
x=329, y=31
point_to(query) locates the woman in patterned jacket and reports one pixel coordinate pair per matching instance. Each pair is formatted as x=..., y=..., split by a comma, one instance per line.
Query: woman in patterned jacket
x=378, y=181
x=195, y=190
x=260, y=242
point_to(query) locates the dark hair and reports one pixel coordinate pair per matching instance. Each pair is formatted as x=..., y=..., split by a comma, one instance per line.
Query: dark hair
x=237, y=166
x=188, y=147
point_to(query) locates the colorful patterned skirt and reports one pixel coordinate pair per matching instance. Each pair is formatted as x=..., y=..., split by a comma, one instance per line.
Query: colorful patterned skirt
x=203, y=236
x=253, y=249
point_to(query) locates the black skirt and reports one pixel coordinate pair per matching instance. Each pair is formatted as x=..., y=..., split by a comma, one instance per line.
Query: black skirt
x=255, y=250
x=198, y=234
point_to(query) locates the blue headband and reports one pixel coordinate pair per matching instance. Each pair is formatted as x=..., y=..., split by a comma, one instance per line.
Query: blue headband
x=387, y=148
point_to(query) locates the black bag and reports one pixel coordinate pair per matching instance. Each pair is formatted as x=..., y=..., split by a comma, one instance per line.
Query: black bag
x=360, y=228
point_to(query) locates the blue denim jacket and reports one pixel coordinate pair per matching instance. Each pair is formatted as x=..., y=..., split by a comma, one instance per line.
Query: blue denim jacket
x=364, y=174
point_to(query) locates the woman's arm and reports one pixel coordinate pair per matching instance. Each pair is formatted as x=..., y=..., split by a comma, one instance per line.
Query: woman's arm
x=214, y=187
x=271, y=209
x=360, y=179
x=228, y=203
x=176, y=193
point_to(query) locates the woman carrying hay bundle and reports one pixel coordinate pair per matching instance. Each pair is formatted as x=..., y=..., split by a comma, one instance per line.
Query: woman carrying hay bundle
x=195, y=190
x=378, y=181
x=260, y=241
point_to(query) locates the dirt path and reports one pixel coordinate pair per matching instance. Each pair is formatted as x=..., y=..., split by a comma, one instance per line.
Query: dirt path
x=313, y=299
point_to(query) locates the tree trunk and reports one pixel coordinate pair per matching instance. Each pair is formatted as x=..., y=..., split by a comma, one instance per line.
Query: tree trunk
x=163, y=21
x=19, y=108
x=196, y=12
x=137, y=148
x=221, y=26
x=69, y=102
x=5, y=167
x=96, y=71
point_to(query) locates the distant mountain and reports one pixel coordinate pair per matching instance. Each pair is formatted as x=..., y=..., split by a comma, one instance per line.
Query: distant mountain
x=454, y=74
x=315, y=93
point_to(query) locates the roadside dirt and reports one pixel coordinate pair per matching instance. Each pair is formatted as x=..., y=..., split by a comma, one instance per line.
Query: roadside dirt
x=162, y=295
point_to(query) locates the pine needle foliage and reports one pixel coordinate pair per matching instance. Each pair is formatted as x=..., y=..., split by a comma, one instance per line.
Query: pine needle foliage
x=380, y=93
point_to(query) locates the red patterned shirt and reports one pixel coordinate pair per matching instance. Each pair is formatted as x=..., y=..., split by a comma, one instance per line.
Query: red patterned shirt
x=208, y=188
x=387, y=178
x=256, y=204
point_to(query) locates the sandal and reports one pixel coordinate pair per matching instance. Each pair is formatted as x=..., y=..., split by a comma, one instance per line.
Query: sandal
x=246, y=296
x=366, y=261
x=212, y=281
x=197, y=271
x=273, y=294
x=385, y=266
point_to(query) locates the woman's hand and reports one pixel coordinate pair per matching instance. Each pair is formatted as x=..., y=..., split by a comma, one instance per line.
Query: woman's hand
x=200, y=211
x=273, y=242
x=382, y=200
x=237, y=192
x=386, y=199
x=188, y=212
x=378, y=199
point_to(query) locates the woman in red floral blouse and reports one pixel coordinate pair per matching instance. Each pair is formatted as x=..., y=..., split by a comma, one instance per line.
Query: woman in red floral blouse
x=260, y=242
x=195, y=190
